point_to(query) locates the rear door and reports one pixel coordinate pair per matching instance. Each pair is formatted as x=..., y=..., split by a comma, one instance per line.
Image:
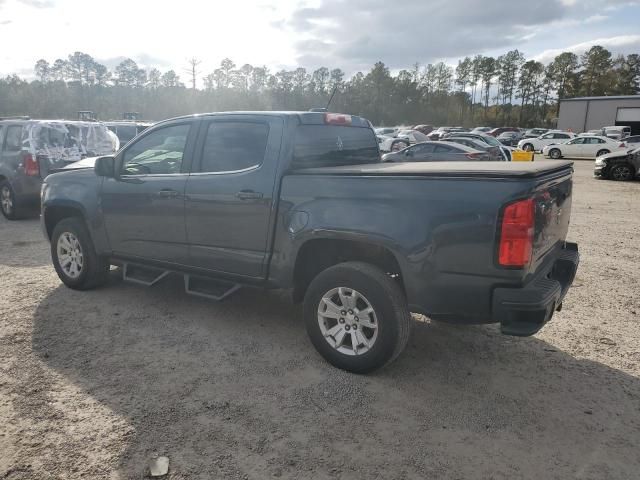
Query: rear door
x=12, y=151
x=229, y=197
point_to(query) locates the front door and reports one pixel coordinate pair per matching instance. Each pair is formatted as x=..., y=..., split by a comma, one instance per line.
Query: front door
x=230, y=194
x=144, y=207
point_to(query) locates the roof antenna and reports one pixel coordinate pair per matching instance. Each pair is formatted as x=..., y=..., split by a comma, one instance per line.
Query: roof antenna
x=335, y=89
x=326, y=109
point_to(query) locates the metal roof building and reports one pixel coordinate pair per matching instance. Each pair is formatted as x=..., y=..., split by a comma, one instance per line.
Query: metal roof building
x=589, y=113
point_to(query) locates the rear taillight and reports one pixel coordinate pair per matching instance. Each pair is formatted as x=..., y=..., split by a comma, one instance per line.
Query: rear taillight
x=622, y=145
x=31, y=166
x=516, y=235
x=337, y=119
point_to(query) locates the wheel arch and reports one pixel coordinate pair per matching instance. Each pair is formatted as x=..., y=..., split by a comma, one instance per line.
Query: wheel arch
x=54, y=213
x=317, y=254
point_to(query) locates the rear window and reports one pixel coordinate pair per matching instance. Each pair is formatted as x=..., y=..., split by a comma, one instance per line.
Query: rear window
x=333, y=145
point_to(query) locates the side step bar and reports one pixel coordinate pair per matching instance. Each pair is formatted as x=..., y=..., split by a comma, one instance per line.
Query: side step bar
x=216, y=290
x=205, y=287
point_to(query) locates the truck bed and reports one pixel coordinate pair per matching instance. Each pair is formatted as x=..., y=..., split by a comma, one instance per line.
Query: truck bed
x=447, y=169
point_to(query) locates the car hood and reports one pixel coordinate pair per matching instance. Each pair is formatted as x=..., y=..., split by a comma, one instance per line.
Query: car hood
x=619, y=153
x=88, y=162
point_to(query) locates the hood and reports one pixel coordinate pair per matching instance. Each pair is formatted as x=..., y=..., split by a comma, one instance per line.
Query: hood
x=84, y=163
x=619, y=153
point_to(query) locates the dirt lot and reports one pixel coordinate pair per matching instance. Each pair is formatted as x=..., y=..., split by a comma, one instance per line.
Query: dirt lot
x=92, y=385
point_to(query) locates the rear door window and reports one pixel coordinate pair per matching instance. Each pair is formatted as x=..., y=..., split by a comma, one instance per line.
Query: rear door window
x=334, y=145
x=234, y=146
x=443, y=149
x=13, y=141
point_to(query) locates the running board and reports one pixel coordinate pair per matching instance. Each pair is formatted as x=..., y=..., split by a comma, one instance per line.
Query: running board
x=216, y=290
x=147, y=276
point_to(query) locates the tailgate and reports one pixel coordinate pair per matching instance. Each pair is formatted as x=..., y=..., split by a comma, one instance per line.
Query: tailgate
x=552, y=215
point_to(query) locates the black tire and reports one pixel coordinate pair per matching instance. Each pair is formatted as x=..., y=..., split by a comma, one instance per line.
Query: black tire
x=386, y=298
x=621, y=173
x=95, y=269
x=528, y=147
x=11, y=210
x=602, y=152
x=555, y=153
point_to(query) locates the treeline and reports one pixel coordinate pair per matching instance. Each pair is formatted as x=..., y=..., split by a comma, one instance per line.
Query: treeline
x=507, y=90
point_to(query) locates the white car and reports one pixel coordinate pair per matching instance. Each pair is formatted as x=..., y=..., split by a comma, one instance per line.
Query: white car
x=402, y=140
x=591, y=146
x=549, y=138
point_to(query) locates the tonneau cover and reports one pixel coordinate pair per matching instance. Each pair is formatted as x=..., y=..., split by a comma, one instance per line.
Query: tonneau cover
x=446, y=169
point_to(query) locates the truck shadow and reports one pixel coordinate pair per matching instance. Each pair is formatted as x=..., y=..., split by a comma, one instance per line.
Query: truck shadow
x=235, y=389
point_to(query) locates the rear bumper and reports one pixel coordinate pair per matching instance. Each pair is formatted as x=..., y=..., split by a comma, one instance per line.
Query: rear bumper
x=524, y=311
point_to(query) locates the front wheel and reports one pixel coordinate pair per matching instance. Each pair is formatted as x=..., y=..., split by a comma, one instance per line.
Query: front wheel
x=602, y=152
x=621, y=173
x=356, y=317
x=555, y=154
x=527, y=147
x=74, y=256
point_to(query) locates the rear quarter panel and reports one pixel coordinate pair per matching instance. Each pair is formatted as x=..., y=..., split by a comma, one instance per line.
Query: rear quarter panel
x=442, y=231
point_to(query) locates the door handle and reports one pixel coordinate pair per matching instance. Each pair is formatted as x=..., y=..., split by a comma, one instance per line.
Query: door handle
x=167, y=193
x=249, y=195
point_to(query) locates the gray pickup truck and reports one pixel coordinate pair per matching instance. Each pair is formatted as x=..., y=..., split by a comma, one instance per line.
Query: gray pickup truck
x=301, y=201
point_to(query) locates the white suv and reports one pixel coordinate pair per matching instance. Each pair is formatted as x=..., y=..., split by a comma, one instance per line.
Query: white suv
x=549, y=138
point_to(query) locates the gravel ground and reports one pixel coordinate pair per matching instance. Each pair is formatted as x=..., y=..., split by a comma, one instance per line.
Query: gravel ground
x=93, y=385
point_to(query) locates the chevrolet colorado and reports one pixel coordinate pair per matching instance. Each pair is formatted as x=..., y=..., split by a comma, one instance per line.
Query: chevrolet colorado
x=302, y=201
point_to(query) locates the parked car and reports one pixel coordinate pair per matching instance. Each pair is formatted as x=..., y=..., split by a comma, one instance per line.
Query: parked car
x=621, y=165
x=30, y=149
x=616, y=132
x=402, y=140
x=509, y=139
x=361, y=243
x=426, y=129
x=127, y=130
x=583, y=147
x=497, y=131
x=436, y=152
x=535, y=132
x=484, y=138
x=549, y=138
x=494, y=152
x=632, y=140
x=481, y=129
x=442, y=131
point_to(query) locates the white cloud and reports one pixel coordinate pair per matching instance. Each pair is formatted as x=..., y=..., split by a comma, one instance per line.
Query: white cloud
x=620, y=44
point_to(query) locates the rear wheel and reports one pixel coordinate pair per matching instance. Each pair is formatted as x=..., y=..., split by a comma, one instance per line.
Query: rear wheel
x=74, y=256
x=621, y=173
x=356, y=316
x=8, y=203
x=602, y=152
x=555, y=154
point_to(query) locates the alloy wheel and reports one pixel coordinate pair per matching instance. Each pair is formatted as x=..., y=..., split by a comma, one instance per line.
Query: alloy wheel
x=70, y=256
x=347, y=321
x=6, y=200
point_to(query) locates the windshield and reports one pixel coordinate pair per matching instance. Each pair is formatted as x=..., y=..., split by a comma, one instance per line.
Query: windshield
x=491, y=141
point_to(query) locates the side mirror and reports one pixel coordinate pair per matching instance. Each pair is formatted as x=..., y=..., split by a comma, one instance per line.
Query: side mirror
x=105, y=167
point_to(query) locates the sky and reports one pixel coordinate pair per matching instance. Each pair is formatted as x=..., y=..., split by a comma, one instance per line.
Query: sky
x=347, y=34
